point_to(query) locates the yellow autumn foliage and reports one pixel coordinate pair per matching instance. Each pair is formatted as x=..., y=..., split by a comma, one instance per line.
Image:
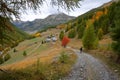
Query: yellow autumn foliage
x=37, y=35
x=62, y=26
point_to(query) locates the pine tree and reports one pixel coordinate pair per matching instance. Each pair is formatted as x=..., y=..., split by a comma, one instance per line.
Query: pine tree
x=80, y=31
x=100, y=33
x=89, y=38
x=72, y=33
x=116, y=37
x=61, y=35
x=80, y=28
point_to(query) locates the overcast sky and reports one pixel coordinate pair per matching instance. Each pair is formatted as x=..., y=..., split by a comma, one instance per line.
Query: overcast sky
x=47, y=9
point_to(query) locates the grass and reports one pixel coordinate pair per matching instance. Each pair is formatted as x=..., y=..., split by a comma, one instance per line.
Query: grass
x=41, y=71
x=41, y=48
x=27, y=46
x=105, y=47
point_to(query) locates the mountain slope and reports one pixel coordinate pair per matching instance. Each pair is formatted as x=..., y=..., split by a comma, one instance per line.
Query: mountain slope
x=102, y=18
x=39, y=24
x=12, y=36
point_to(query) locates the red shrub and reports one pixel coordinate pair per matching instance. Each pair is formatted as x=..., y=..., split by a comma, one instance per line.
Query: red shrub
x=65, y=41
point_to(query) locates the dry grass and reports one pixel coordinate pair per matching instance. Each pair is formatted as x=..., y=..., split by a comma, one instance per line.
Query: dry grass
x=50, y=69
x=75, y=43
x=106, y=40
x=45, y=56
x=51, y=31
x=43, y=71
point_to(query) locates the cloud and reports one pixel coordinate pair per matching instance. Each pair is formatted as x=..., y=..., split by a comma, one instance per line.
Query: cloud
x=47, y=9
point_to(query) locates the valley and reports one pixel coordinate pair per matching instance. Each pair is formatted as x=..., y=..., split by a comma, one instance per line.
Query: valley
x=48, y=53
x=62, y=47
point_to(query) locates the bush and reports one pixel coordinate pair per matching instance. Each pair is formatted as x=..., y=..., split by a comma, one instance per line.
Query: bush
x=14, y=50
x=63, y=57
x=7, y=57
x=65, y=41
x=24, y=53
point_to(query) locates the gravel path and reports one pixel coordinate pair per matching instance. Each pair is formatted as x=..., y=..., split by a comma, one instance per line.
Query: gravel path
x=89, y=68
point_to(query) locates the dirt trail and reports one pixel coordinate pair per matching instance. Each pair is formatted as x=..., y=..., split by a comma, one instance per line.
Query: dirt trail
x=89, y=68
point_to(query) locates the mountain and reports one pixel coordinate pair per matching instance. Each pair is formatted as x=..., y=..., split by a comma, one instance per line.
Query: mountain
x=40, y=24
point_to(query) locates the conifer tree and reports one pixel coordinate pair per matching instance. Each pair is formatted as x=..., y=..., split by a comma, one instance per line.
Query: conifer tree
x=72, y=33
x=61, y=35
x=89, y=37
x=80, y=31
x=116, y=37
x=100, y=33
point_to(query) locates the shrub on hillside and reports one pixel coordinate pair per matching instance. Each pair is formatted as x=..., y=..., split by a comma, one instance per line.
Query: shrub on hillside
x=14, y=50
x=65, y=41
x=7, y=57
x=63, y=57
x=24, y=53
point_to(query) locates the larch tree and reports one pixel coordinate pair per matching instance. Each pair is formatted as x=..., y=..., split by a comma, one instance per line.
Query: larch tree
x=61, y=35
x=72, y=33
x=90, y=40
x=81, y=31
x=100, y=33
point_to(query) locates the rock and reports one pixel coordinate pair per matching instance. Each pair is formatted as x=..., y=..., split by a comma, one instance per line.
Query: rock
x=81, y=69
x=116, y=70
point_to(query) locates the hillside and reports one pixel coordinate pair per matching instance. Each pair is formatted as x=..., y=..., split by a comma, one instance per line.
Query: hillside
x=12, y=36
x=103, y=18
x=40, y=24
